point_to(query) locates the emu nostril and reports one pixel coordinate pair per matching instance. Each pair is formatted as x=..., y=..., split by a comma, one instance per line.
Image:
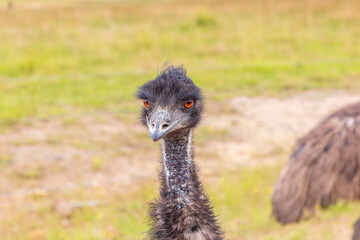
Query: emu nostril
x=165, y=125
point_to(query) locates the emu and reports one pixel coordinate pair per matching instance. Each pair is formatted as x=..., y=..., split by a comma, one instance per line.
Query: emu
x=173, y=105
x=323, y=167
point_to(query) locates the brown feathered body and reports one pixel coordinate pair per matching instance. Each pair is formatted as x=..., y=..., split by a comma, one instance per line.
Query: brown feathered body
x=356, y=233
x=324, y=167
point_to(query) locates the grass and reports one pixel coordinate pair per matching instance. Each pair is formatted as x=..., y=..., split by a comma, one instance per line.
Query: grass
x=73, y=58
x=55, y=62
x=243, y=205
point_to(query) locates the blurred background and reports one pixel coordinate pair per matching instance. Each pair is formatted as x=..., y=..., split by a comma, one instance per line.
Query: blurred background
x=75, y=163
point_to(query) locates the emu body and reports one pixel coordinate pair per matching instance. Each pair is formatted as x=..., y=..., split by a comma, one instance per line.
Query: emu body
x=324, y=167
x=182, y=211
x=356, y=233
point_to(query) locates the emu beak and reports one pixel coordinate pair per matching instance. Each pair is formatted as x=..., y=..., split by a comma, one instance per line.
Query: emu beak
x=160, y=124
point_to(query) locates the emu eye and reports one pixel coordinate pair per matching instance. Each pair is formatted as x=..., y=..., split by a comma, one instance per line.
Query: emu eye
x=146, y=104
x=188, y=103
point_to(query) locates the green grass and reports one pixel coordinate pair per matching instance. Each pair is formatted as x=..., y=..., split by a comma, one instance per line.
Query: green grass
x=93, y=56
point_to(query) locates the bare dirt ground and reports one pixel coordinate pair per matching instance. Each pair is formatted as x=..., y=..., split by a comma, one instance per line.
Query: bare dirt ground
x=57, y=156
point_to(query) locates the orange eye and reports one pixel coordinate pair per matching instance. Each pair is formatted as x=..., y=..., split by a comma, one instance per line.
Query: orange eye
x=146, y=104
x=189, y=103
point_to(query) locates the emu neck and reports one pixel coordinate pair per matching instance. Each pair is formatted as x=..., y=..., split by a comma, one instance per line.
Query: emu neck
x=183, y=211
x=177, y=163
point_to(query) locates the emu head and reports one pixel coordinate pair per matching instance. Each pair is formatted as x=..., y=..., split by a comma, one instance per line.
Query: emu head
x=172, y=103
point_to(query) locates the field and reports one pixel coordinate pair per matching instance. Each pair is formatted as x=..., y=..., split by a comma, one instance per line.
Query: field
x=75, y=163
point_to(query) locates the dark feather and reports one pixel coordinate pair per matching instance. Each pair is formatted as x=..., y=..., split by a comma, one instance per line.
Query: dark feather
x=172, y=84
x=182, y=211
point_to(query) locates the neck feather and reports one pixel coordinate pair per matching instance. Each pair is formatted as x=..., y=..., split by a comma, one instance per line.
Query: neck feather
x=183, y=211
x=177, y=164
